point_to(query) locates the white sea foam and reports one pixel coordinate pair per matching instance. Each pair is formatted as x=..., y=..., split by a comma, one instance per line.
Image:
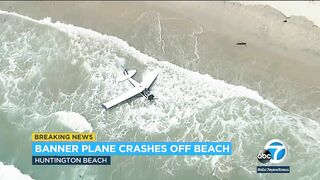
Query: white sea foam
x=9, y=172
x=229, y=90
x=74, y=121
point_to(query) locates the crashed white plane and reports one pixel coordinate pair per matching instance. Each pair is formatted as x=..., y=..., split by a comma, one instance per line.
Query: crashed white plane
x=142, y=88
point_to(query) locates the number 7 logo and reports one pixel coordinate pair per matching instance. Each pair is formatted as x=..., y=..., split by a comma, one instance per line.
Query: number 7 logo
x=278, y=150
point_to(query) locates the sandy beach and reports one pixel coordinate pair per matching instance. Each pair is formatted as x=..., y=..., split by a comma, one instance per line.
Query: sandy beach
x=284, y=53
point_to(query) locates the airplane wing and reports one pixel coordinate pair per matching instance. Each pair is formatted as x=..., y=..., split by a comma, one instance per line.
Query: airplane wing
x=150, y=79
x=132, y=92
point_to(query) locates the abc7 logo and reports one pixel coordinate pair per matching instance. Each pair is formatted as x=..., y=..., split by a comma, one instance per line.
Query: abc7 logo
x=275, y=151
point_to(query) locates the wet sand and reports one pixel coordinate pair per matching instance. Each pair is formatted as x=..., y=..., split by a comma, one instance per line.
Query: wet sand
x=281, y=60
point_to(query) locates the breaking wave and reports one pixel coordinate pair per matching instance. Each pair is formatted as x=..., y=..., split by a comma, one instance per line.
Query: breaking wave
x=73, y=120
x=8, y=172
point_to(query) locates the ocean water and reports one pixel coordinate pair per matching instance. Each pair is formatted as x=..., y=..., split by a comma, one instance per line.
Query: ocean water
x=54, y=76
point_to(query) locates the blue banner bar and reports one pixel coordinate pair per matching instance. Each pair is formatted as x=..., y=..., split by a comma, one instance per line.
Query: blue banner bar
x=130, y=148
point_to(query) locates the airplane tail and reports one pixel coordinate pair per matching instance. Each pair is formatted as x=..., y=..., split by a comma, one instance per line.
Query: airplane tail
x=126, y=75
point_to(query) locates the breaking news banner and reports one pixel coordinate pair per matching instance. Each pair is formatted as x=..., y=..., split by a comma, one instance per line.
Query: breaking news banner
x=63, y=136
x=55, y=150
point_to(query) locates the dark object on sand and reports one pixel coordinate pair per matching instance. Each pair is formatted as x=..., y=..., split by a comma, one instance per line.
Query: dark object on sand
x=241, y=43
x=285, y=21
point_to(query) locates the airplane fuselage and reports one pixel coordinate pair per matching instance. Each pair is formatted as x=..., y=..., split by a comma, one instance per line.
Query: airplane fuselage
x=146, y=93
x=138, y=88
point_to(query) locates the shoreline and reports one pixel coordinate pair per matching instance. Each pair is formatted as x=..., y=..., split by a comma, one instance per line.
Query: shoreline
x=273, y=62
x=294, y=9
